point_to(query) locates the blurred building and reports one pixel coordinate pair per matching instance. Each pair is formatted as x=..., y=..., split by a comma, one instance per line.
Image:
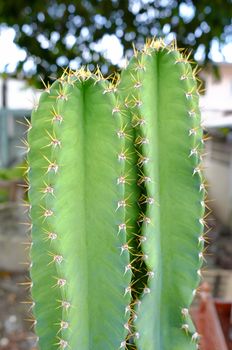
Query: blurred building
x=216, y=105
x=16, y=102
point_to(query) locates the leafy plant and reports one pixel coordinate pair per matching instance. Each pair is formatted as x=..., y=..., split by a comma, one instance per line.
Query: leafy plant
x=14, y=173
x=59, y=33
x=10, y=174
x=117, y=206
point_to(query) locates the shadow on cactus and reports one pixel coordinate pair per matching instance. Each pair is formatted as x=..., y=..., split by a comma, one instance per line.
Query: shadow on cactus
x=117, y=206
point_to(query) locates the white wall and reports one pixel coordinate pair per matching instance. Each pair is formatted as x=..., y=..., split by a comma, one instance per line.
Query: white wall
x=218, y=171
x=19, y=96
x=218, y=96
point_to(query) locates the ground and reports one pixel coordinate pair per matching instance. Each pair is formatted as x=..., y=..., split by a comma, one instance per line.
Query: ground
x=15, y=333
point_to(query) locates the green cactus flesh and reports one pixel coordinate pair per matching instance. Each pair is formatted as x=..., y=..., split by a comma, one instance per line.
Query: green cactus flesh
x=117, y=207
x=164, y=106
x=83, y=265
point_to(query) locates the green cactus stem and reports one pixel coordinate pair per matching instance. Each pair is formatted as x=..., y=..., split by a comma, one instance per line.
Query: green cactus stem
x=77, y=206
x=162, y=90
x=117, y=206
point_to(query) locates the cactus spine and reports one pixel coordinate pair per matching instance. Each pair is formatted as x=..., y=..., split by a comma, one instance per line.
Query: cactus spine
x=117, y=206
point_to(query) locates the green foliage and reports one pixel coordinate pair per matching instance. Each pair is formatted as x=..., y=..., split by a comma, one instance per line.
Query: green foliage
x=56, y=31
x=117, y=206
x=14, y=173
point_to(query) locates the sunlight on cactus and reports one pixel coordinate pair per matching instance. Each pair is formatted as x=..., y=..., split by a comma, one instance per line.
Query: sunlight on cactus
x=117, y=206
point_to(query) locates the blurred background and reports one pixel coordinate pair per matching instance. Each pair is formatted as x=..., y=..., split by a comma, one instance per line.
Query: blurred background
x=38, y=39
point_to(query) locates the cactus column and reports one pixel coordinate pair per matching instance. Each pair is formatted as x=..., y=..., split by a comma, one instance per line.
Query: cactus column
x=162, y=92
x=77, y=206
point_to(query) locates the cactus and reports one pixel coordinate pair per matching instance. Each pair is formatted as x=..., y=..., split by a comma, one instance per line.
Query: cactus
x=117, y=206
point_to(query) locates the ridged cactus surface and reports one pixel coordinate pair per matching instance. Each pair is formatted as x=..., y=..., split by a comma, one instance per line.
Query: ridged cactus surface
x=162, y=91
x=117, y=206
x=76, y=211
